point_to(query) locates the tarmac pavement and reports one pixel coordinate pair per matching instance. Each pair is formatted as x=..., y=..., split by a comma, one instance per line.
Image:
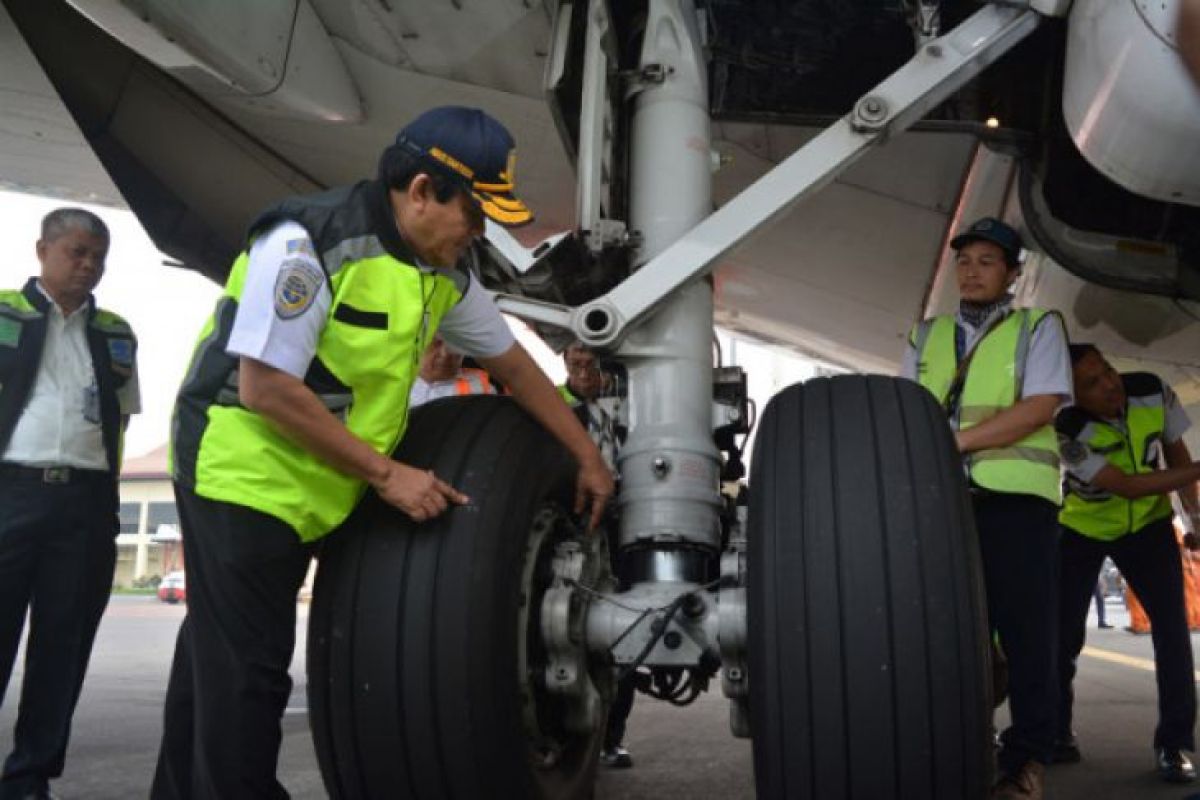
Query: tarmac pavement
x=678, y=752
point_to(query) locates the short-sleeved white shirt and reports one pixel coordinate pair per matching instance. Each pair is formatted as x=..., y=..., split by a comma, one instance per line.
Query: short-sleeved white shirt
x=286, y=297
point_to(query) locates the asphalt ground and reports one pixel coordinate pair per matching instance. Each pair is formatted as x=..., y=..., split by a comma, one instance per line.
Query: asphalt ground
x=678, y=752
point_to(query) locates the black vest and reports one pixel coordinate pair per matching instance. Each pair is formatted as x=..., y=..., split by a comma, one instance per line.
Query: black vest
x=113, y=356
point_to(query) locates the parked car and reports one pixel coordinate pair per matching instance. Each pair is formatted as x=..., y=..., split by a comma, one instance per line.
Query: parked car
x=172, y=589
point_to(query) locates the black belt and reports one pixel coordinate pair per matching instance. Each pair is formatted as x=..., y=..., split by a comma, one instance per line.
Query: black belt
x=19, y=472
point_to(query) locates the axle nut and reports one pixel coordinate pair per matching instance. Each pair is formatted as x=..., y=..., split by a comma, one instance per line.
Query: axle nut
x=661, y=467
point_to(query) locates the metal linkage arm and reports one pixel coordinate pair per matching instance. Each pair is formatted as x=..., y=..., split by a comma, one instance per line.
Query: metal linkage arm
x=537, y=311
x=938, y=69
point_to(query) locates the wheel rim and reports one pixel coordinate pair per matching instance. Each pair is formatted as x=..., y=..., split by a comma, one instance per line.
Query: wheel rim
x=553, y=748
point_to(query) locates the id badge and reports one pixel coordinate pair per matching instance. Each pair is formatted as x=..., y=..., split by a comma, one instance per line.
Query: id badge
x=91, y=404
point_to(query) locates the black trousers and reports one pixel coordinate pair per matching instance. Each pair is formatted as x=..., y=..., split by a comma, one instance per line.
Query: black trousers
x=1149, y=560
x=1018, y=537
x=57, y=553
x=1097, y=594
x=229, y=681
x=622, y=705
x=614, y=732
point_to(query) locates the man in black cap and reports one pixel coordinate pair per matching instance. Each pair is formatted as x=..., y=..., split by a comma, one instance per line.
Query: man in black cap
x=297, y=394
x=1001, y=374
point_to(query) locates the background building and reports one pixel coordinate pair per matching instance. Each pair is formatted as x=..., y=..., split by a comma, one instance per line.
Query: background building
x=148, y=545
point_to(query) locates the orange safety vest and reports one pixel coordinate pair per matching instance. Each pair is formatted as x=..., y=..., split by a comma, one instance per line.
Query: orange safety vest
x=1139, y=620
x=473, y=381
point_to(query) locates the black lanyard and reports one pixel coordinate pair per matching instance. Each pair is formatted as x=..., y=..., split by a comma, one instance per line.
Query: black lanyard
x=954, y=395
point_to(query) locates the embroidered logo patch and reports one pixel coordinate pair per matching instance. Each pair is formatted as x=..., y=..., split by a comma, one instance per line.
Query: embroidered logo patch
x=121, y=351
x=1073, y=452
x=10, y=332
x=296, y=287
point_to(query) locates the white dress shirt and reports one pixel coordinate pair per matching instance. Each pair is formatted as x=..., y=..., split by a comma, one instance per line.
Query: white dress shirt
x=56, y=429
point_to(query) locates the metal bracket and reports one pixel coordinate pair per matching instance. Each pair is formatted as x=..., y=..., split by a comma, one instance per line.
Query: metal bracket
x=563, y=618
x=926, y=20
x=649, y=75
x=933, y=74
x=1051, y=8
x=938, y=70
x=870, y=114
x=535, y=311
x=596, y=131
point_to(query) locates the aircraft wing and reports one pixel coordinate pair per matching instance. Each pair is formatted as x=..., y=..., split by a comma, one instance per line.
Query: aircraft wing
x=196, y=120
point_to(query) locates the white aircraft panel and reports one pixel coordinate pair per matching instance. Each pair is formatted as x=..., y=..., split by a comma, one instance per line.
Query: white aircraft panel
x=845, y=273
x=41, y=149
x=499, y=44
x=340, y=154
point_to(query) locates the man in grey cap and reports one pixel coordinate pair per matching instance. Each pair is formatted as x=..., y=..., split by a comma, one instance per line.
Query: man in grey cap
x=1001, y=374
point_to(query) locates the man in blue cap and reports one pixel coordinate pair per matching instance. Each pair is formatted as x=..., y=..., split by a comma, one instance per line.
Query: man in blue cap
x=1001, y=374
x=297, y=394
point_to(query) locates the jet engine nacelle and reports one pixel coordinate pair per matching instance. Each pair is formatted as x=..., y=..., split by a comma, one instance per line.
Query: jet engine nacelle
x=1129, y=104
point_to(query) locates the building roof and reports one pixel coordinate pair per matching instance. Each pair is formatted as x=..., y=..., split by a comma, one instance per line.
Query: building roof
x=149, y=467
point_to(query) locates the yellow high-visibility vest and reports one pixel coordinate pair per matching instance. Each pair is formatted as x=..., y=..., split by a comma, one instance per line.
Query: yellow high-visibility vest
x=1094, y=512
x=384, y=313
x=993, y=383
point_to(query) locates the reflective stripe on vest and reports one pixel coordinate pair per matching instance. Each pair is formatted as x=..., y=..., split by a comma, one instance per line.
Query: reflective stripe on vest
x=473, y=381
x=368, y=355
x=1101, y=515
x=993, y=383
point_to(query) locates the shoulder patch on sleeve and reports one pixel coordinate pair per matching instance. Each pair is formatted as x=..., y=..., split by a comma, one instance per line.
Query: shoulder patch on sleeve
x=10, y=332
x=121, y=351
x=1072, y=451
x=296, y=287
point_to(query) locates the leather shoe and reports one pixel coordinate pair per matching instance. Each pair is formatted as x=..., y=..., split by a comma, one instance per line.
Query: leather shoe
x=1174, y=766
x=1024, y=784
x=1066, y=750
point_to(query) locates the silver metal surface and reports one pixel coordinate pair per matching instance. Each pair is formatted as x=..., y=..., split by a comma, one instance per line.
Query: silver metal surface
x=596, y=129
x=624, y=624
x=1147, y=141
x=562, y=622
x=669, y=465
x=934, y=73
x=732, y=631
x=665, y=566
x=928, y=21
x=535, y=310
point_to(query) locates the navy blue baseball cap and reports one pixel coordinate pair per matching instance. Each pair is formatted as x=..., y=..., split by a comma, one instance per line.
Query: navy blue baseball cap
x=474, y=149
x=990, y=229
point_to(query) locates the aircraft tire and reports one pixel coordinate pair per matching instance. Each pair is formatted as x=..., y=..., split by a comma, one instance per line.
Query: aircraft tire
x=868, y=647
x=414, y=685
